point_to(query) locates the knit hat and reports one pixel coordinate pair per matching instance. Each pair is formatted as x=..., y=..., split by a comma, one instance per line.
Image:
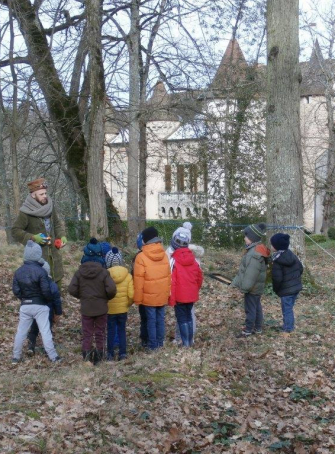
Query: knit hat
x=185, y=229
x=32, y=251
x=114, y=258
x=47, y=268
x=36, y=185
x=255, y=232
x=280, y=241
x=105, y=247
x=149, y=234
x=93, y=252
x=180, y=239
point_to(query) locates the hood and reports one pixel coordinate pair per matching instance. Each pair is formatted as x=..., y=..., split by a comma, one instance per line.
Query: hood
x=184, y=256
x=90, y=270
x=118, y=273
x=287, y=258
x=263, y=250
x=154, y=251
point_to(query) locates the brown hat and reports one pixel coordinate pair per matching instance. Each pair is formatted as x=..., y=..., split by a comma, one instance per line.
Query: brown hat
x=36, y=185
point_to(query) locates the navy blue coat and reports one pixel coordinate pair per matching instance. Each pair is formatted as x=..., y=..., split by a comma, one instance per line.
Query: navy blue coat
x=286, y=274
x=56, y=303
x=31, y=283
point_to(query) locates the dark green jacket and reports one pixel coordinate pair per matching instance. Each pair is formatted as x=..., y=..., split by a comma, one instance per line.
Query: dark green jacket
x=251, y=275
x=26, y=226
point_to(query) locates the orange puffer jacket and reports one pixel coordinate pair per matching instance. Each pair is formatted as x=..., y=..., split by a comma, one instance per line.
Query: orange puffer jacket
x=152, y=276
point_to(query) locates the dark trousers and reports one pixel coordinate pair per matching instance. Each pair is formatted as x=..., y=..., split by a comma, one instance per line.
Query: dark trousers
x=183, y=313
x=34, y=331
x=116, y=322
x=253, y=312
x=143, y=327
x=94, y=327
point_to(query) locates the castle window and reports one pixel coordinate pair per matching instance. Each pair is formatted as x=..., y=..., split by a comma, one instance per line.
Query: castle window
x=179, y=213
x=168, y=178
x=171, y=213
x=188, y=213
x=180, y=178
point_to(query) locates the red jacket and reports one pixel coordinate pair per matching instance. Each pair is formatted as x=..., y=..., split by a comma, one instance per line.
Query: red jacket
x=186, y=278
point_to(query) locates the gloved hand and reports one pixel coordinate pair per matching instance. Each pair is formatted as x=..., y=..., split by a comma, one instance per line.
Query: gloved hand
x=64, y=240
x=39, y=238
x=58, y=243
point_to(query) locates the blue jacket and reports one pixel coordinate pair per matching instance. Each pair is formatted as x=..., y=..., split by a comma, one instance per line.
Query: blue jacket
x=31, y=284
x=56, y=303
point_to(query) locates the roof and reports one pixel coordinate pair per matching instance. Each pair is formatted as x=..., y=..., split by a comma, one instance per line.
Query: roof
x=232, y=67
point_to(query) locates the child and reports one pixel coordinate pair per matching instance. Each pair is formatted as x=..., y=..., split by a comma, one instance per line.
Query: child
x=152, y=281
x=118, y=307
x=93, y=285
x=55, y=311
x=198, y=252
x=31, y=285
x=185, y=286
x=286, y=277
x=251, y=278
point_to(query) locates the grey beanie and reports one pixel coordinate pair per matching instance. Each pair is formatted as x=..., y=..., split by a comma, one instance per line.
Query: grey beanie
x=32, y=251
x=114, y=258
x=47, y=268
x=255, y=232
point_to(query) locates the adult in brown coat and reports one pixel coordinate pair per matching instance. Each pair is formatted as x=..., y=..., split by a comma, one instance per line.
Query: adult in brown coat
x=38, y=220
x=93, y=285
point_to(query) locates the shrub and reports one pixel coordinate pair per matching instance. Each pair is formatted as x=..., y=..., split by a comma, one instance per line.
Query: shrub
x=317, y=238
x=331, y=233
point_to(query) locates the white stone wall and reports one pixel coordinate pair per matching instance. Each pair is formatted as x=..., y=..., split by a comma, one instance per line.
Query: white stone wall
x=314, y=139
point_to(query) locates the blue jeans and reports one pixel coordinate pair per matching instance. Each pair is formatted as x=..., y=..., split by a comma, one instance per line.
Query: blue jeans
x=143, y=328
x=287, y=304
x=116, y=322
x=155, y=326
x=183, y=313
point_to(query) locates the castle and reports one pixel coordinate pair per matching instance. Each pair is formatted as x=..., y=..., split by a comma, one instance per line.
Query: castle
x=179, y=181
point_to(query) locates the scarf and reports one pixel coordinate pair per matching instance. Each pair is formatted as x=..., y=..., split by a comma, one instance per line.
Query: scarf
x=249, y=246
x=276, y=255
x=31, y=207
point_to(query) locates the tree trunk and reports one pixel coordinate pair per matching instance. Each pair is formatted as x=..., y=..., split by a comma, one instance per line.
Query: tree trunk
x=284, y=161
x=143, y=176
x=96, y=133
x=4, y=191
x=134, y=124
x=14, y=132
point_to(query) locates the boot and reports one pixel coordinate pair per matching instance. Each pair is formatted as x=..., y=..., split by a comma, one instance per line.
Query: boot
x=98, y=356
x=190, y=333
x=87, y=356
x=184, y=334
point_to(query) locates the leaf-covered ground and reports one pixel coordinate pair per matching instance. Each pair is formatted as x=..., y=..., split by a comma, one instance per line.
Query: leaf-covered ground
x=259, y=395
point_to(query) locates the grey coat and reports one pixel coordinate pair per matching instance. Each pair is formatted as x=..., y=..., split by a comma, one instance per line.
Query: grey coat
x=251, y=275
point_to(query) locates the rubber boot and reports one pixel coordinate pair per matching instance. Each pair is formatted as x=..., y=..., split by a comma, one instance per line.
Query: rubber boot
x=87, y=356
x=184, y=328
x=190, y=333
x=98, y=356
